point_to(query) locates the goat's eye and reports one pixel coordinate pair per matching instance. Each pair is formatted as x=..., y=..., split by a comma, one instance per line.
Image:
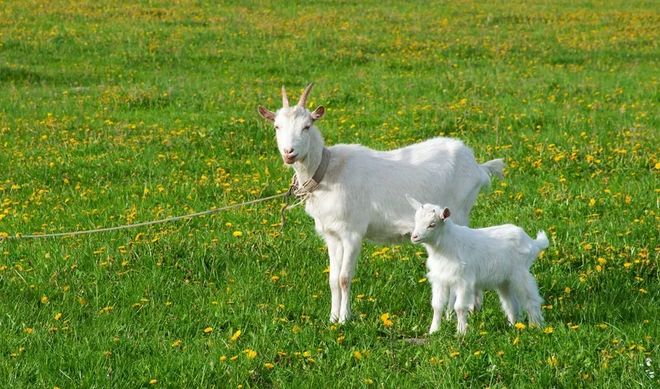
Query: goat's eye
x=432, y=225
x=305, y=128
x=277, y=127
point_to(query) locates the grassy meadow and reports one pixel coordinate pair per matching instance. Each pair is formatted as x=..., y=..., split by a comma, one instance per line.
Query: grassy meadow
x=118, y=112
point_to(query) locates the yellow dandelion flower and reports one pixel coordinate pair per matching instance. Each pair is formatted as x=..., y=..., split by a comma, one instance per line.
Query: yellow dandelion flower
x=223, y=358
x=29, y=330
x=58, y=316
x=548, y=330
x=236, y=335
x=520, y=326
x=268, y=365
x=44, y=300
x=251, y=354
x=422, y=280
x=237, y=234
x=357, y=355
x=153, y=382
x=208, y=330
x=385, y=317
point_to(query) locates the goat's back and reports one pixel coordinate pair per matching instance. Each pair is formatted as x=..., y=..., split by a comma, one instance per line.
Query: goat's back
x=366, y=188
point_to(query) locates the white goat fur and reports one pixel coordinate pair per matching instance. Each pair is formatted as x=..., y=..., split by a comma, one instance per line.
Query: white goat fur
x=465, y=260
x=362, y=194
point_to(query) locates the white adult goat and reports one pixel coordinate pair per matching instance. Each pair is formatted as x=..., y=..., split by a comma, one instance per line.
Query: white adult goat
x=466, y=260
x=361, y=194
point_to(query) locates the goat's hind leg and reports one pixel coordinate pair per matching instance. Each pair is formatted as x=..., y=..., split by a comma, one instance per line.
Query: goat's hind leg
x=528, y=295
x=509, y=302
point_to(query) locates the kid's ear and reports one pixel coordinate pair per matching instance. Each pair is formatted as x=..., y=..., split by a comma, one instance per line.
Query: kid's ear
x=414, y=203
x=318, y=113
x=266, y=114
x=445, y=213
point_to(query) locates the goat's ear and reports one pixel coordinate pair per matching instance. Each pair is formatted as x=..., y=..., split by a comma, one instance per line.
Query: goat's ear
x=445, y=213
x=414, y=203
x=318, y=113
x=266, y=114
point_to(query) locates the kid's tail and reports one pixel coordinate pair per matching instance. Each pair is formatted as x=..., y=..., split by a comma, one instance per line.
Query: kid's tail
x=541, y=240
x=494, y=167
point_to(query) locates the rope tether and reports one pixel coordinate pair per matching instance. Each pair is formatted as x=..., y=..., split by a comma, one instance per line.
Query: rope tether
x=169, y=219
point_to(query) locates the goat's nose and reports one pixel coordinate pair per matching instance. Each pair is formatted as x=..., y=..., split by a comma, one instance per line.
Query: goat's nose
x=414, y=237
x=288, y=151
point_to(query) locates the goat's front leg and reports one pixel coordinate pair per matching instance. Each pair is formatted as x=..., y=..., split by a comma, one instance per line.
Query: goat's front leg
x=335, y=252
x=351, y=252
x=440, y=294
x=474, y=307
x=464, y=299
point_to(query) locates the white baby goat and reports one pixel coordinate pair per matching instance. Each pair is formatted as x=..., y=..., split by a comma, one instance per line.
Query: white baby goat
x=361, y=194
x=465, y=260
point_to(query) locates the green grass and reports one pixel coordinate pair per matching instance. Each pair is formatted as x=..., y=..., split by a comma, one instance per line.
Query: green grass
x=112, y=113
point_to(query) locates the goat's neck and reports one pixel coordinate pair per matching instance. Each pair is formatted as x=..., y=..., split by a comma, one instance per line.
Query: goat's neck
x=445, y=241
x=306, y=167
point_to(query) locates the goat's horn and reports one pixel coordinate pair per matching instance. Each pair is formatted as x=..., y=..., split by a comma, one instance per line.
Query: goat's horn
x=285, y=100
x=303, y=98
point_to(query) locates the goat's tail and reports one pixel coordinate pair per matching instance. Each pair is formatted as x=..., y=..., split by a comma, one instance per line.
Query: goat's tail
x=541, y=240
x=539, y=244
x=494, y=167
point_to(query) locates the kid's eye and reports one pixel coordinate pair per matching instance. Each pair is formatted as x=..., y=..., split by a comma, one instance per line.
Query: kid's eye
x=432, y=225
x=277, y=127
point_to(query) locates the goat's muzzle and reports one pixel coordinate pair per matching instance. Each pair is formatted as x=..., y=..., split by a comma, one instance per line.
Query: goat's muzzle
x=289, y=159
